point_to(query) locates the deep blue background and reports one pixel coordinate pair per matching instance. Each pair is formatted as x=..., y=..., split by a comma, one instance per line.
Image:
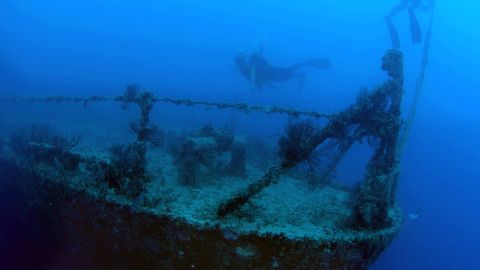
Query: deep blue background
x=185, y=49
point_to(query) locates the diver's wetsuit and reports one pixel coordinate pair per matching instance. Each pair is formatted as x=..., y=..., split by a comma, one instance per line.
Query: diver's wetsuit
x=256, y=70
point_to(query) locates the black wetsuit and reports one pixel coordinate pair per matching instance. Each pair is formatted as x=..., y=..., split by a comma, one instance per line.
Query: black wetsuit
x=257, y=71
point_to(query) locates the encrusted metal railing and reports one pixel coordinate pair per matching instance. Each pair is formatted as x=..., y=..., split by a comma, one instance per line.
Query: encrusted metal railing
x=243, y=107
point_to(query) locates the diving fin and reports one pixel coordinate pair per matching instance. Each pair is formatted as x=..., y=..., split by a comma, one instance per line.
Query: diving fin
x=415, y=29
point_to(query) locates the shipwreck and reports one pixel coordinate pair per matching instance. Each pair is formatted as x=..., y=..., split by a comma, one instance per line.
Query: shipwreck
x=197, y=201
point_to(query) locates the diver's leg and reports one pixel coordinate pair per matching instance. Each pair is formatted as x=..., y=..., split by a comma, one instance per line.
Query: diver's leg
x=391, y=28
x=393, y=33
x=415, y=29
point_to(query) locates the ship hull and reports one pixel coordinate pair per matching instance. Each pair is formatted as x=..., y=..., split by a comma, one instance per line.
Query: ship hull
x=85, y=232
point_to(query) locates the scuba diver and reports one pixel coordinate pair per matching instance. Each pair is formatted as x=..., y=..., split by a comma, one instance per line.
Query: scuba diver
x=415, y=29
x=256, y=69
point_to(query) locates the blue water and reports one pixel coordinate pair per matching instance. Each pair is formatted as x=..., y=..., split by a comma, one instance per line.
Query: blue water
x=185, y=49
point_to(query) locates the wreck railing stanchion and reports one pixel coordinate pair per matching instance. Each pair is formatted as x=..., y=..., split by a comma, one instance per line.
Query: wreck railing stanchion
x=376, y=195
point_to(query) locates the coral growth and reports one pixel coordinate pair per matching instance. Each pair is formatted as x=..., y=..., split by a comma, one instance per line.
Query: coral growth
x=319, y=169
x=392, y=63
x=127, y=170
x=130, y=158
x=151, y=133
x=296, y=144
x=206, y=153
x=190, y=157
x=38, y=143
x=223, y=138
x=125, y=173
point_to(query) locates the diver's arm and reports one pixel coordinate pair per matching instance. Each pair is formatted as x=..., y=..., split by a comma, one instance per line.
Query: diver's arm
x=393, y=33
